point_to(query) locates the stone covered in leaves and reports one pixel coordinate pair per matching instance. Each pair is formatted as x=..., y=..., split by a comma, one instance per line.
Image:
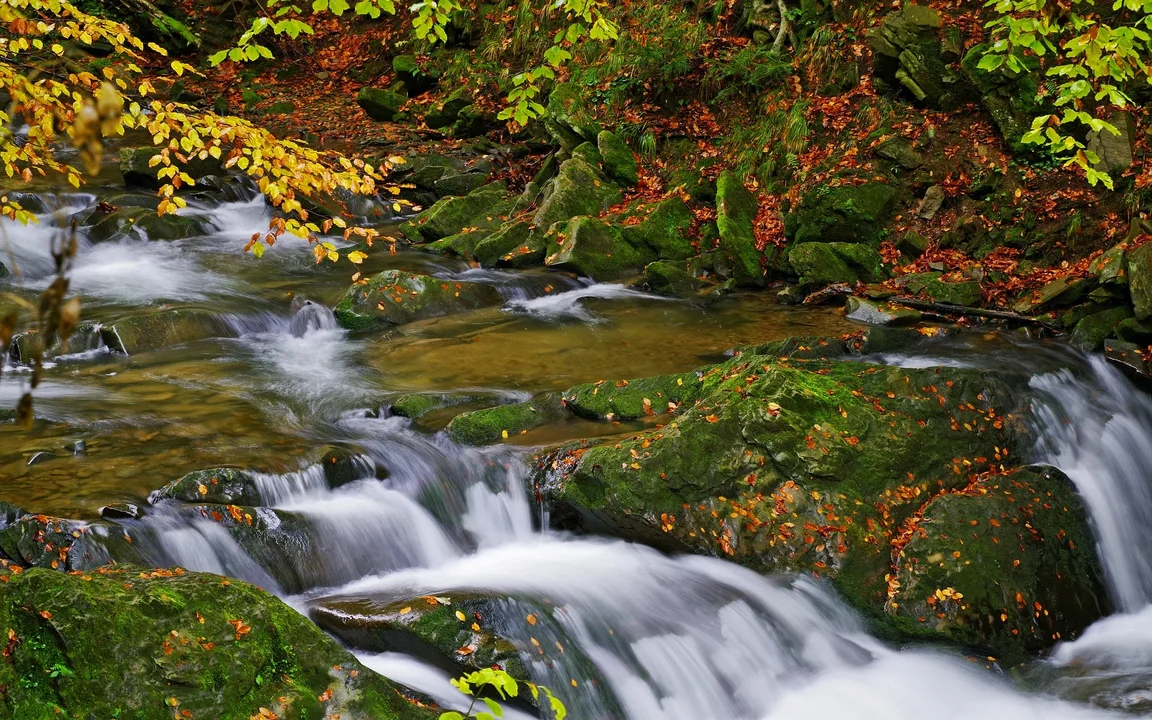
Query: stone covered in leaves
x=395, y=297
x=122, y=643
x=790, y=457
x=225, y=486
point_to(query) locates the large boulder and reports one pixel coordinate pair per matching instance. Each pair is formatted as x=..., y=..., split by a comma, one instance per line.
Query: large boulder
x=736, y=210
x=380, y=103
x=396, y=297
x=618, y=160
x=819, y=264
x=577, y=189
x=666, y=230
x=842, y=213
x=594, y=249
x=151, y=645
x=486, y=206
x=789, y=458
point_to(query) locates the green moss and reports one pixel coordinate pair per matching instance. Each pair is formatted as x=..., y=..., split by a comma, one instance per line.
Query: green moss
x=122, y=643
x=619, y=161
x=509, y=237
x=578, y=189
x=162, y=329
x=842, y=213
x=594, y=249
x=395, y=297
x=736, y=210
x=666, y=230
x=666, y=278
x=379, y=103
x=415, y=406
x=483, y=427
x=484, y=207
x=629, y=400
x=819, y=264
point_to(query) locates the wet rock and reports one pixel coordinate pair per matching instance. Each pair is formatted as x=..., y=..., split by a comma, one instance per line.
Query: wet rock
x=151, y=641
x=162, y=329
x=4, y=271
x=872, y=313
x=844, y=213
x=484, y=206
x=745, y=462
x=965, y=293
x=78, y=448
x=1134, y=331
x=220, y=486
x=135, y=168
x=509, y=237
x=1127, y=358
x=121, y=511
x=430, y=629
x=665, y=230
x=916, y=283
x=342, y=466
x=619, y=161
x=1140, y=280
x=577, y=189
x=483, y=427
x=462, y=244
x=138, y=223
x=594, y=249
x=395, y=297
x=1003, y=569
x=65, y=545
x=1090, y=332
x=417, y=405
x=668, y=278
x=380, y=104
x=736, y=210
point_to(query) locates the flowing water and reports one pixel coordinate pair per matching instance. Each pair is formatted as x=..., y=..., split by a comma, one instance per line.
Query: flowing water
x=624, y=631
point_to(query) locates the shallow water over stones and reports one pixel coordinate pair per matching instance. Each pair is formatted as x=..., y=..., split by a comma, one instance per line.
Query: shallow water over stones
x=208, y=358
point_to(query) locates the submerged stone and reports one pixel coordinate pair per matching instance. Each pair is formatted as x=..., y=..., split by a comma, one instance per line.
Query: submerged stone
x=163, y=329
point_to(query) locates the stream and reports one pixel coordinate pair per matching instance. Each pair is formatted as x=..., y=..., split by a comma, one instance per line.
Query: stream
x=632, y=633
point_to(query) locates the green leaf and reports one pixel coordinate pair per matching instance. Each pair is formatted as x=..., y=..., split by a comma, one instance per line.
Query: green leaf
x=494, y=707
x=217, y=58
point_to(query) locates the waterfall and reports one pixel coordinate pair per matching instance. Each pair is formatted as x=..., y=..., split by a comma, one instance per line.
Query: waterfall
x=1097, y=428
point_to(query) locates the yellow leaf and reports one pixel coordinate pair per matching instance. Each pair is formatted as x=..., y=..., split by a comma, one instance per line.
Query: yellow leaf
x=461, y=616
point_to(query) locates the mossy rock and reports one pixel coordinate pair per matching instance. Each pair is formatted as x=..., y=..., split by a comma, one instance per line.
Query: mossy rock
x=63, y=544
x=444, y=114
x=462, y=244
x=1110, y=268
x=163, y=329
x=1003, y=569
x=631, y=400
x=736, y=210
x=618, y=159
x=1012, y=99
x=1140, y=280
x=594, y=249
x=380, y=104
x=483, y=207
x=668, y=278
x=666, y=230
x=139, y=223
x=965, y=293
x=396, y=297
x=459, y=185
x=431, y=629
x=483, y=427
x=472, y=121
x=135, y=168
x=1091, y=331
x=489, y=251
x=142, y=645
x=588, y=152
x=819, y=264
x=221, y=486
x=418, y=79
x=577, y=189
x=419, y=404
x=797, y=460
x=842, y=213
